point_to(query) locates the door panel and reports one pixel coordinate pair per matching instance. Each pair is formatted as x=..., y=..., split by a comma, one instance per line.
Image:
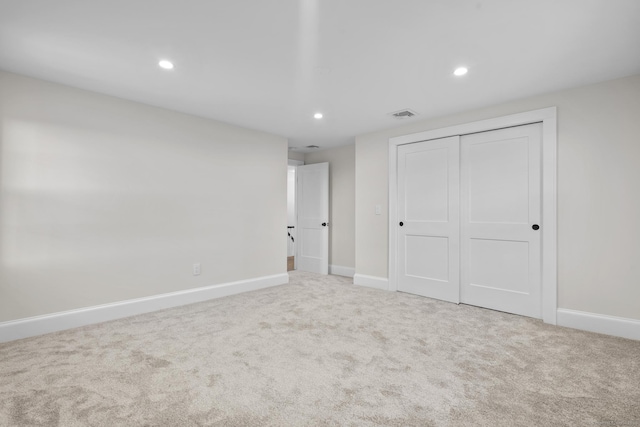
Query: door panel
x=500, y=195
x=436, y=249
x=426, y=185
x=499, y=264
x=310, y=247
x=498, y=181
x=313, y=211
x=428, y=207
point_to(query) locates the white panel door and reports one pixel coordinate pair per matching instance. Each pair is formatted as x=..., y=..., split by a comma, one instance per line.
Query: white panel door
x=313, y=218
x=428, y=213
x=501, y=208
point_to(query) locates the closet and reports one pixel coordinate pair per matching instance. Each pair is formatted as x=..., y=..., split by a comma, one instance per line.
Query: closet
x=469, y=219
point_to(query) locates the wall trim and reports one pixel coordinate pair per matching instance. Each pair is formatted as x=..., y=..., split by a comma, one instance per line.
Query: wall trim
x=39, y=325
x=371, y=281
x=339, y=270
x=600, y=323
x=548, y=118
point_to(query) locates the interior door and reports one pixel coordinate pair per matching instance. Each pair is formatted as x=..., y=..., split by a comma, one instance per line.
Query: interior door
x=429, y=225
x=501, y=211
x=313, y=218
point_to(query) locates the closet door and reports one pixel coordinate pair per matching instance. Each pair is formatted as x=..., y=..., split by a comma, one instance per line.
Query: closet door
x=501, y=211
x=428, y=211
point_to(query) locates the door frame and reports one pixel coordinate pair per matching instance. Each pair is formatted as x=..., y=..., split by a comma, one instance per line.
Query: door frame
x=548, y=118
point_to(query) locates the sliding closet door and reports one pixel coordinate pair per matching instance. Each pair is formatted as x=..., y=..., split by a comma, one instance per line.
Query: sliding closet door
x=500, y=224
x=428, y=212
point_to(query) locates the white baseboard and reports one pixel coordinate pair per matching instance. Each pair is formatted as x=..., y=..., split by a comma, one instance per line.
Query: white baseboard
x=600, y=323
x=339, y=270
x=371, y=281
x=38, y=325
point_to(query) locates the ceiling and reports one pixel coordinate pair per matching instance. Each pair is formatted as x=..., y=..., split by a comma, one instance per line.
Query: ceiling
x=271, y=64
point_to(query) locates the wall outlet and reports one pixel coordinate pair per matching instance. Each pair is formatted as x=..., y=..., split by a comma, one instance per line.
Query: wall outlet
x=196, y=269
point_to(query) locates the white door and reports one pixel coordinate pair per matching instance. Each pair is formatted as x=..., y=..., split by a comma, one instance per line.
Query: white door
x=501, y=190
x=428, y=213
x=313, y=218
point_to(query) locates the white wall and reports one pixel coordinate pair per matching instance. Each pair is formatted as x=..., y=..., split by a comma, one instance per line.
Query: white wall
x=598, y=193
x=103, y=200
x=293, y=155
x=341, y=202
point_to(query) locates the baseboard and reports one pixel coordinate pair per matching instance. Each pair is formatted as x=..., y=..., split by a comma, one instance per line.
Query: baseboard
x=39, y=325
x=339, y=270
x=600, y=323
x=371, y=281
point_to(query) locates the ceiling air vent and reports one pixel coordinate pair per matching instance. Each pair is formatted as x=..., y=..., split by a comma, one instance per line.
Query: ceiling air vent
x=403, y=114
x=312, y=146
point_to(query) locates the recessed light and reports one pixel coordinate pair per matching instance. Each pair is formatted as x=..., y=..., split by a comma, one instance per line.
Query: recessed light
x=317, y=116
x=460, y=71
x=167, y=65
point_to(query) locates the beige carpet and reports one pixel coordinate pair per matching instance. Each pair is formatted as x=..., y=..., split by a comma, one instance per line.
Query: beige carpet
x=321, y=351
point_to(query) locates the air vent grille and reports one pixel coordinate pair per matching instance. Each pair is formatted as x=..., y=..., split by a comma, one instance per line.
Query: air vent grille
x=403, y=114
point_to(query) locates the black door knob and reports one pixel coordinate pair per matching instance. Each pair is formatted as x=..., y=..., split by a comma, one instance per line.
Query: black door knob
x=324, y=224
x=535, y=226
x=401, y=223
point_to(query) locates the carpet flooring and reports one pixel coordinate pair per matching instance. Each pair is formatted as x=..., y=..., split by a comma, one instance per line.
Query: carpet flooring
x=321, y=351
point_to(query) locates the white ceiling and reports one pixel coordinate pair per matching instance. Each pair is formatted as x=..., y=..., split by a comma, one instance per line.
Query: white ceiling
x=271, y=64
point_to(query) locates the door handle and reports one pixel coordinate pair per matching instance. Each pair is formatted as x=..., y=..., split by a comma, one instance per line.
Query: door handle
x=535, y=226
x=324, y=224
x=401, y=223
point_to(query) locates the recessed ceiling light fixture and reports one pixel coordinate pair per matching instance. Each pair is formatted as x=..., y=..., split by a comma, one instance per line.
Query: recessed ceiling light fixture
x=460, y=71
x=317, y=116
x=167, y=65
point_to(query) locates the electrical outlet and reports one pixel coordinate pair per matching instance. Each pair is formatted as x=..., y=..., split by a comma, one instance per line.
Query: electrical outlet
x=196, y=269
x=378, y=209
